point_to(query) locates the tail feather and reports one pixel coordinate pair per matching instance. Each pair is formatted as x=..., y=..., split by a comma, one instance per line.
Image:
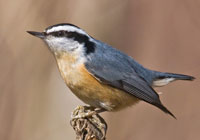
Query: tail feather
x=162, y=79
x=176, y=76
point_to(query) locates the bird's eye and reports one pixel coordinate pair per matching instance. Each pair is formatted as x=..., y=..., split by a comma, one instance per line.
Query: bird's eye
x=60, y=33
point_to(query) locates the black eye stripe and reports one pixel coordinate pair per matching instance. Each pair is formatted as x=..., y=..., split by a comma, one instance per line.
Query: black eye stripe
x=58, y=33
x=81, y=38
x=64, y=33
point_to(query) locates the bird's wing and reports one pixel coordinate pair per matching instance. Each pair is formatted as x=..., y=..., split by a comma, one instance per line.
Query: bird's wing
x=120, y=74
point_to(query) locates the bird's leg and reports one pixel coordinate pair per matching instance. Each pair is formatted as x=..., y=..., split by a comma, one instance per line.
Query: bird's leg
x=85, y=111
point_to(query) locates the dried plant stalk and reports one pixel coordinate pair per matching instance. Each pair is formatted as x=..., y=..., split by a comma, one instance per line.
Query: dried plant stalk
x=88, y=128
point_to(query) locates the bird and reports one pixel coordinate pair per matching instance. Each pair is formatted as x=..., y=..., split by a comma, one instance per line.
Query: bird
x=101, y=76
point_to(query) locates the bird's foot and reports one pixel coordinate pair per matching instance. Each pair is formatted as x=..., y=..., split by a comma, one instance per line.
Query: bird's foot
x=85, y=111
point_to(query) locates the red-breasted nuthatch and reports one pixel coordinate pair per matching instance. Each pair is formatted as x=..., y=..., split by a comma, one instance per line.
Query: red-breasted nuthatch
x=100, y=75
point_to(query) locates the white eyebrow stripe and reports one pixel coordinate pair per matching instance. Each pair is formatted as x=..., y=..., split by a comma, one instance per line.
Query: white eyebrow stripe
x=66, y=28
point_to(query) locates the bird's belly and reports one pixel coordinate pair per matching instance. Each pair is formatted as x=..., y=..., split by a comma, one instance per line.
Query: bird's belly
x=93, y=92
x=103, y=96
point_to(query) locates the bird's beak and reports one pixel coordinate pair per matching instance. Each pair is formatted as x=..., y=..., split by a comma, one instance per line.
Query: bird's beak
x=37, y=34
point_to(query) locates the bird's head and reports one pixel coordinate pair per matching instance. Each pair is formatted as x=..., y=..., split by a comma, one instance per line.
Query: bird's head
x=66, y=37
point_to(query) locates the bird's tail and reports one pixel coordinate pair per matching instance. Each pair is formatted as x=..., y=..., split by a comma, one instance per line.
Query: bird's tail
x=162, y=78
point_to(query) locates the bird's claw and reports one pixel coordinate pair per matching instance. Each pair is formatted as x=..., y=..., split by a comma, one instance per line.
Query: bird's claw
x=83, y=112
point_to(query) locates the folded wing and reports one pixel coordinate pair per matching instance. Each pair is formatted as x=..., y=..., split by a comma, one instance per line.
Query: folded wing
x=121, y=75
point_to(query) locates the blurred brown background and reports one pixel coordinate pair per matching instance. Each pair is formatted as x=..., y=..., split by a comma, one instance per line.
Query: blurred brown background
x=164, y=35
